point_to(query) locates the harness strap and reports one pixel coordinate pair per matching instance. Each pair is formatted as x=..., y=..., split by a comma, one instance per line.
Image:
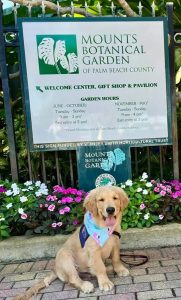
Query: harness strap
x=117, y=234
x=83, y=235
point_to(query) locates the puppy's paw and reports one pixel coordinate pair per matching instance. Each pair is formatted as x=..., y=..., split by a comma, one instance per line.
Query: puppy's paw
x=106, y=285
x=87, y=287
x=122, y=272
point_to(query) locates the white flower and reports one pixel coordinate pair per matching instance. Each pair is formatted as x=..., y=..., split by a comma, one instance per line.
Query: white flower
x=23, y=199
x=21, y=211
x=139, y=189
x=9, y=205
x=2, y=219
x=38, y=194
x=30, y=188
x=144, y=175
x=14, y=186
x=149, y=184
x=129, y=182
x=145, y=192
x=123, y=186
x=44, y=192
x=43, y=186
x=8, y=193
x=37, y=183
x=16, y=192
x=139, y=213
x=24, y=190
x=27, y=183
x=146, y=217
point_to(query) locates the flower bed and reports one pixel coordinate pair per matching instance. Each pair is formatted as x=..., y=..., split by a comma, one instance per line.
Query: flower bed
x=33, y=208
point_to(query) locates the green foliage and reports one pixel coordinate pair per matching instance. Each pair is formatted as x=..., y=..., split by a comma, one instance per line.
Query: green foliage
x=151, y=202
x=141, y=211
x=31, y=208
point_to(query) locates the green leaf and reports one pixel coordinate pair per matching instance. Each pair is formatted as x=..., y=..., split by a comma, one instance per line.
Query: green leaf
x=4, y=233
x=124, y=226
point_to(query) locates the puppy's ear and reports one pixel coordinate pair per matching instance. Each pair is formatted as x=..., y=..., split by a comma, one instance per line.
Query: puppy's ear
x=90, y=203
x=123, y=198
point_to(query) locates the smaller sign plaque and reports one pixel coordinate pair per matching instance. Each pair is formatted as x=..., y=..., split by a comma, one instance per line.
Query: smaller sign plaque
x=103, y=165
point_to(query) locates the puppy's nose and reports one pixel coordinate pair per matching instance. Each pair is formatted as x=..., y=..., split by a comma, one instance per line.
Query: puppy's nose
x=110, y=210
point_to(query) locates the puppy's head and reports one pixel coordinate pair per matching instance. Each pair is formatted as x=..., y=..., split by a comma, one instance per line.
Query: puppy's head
x=106, y=203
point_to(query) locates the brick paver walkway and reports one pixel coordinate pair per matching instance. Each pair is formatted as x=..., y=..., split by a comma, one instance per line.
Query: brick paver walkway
x=160, y=278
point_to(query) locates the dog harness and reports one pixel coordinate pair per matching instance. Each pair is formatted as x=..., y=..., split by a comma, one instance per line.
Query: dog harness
x=99, y=234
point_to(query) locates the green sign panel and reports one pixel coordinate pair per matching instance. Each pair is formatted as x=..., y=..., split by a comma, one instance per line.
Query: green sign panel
x=103, y=165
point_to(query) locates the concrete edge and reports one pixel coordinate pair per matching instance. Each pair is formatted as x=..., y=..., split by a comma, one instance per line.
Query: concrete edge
x=31, y=248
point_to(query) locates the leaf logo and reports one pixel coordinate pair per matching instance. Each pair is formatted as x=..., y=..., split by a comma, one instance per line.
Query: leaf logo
x=54, y=57
x=115, y=158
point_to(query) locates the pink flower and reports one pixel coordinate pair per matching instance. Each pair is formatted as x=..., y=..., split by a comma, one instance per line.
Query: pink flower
x=79, y=193
x=161, y=217
x=153, y=181
x=78, y=199
x=66, y=209
x=24, y=216
x=75, y=222
x=177, y=188
x=2, y=189
x=48, y=198
x=58, y=189
x=142, y=206
x=46, y=205
x=164, y=188
x=51, y=207
x=69, y=200
x=41, y=205
x=51, y=198
x=59, y=224
x=72, y=191
x=64, y=200
x=54, y=225
x=162, y=193
x=61, y=212
x=59, y=201
x=156, y=189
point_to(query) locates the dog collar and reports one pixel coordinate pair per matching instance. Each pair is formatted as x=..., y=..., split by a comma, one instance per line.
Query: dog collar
x=99, y=234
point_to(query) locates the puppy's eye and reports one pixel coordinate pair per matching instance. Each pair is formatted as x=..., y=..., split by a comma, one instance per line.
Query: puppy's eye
x=115, y=198
x=101, y=200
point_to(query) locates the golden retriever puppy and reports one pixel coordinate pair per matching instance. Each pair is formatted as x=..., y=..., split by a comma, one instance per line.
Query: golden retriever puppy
x=88, y=248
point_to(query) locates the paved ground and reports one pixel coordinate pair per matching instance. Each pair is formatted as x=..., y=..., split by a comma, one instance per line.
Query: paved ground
x=160, y=278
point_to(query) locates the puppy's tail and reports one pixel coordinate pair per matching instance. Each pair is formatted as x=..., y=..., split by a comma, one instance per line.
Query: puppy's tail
x=37, y=287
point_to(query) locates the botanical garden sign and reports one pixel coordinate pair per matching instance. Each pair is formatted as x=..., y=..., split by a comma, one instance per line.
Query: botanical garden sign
x=93, y=82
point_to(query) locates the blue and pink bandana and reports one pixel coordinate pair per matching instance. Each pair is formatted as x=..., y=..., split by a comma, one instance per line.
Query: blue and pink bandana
x=90, y=228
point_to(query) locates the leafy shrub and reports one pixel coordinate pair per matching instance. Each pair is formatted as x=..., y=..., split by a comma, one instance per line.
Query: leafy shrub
x=19, y=206
x=170, y=202
x=151, y=202
x=33, y=208
x=30, y=208
x=61, y=211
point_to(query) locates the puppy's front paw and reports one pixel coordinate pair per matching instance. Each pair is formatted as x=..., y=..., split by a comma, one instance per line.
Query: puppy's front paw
x=122, y=272
x=87, y=287
x=106, y=286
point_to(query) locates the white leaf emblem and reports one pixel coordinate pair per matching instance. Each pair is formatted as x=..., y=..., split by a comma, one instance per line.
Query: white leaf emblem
x=60, y=50
x=73, y=62
x=54, y=53
x=45, y=51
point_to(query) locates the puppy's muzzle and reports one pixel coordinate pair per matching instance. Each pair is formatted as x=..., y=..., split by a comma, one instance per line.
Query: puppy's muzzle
x=110, y=210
